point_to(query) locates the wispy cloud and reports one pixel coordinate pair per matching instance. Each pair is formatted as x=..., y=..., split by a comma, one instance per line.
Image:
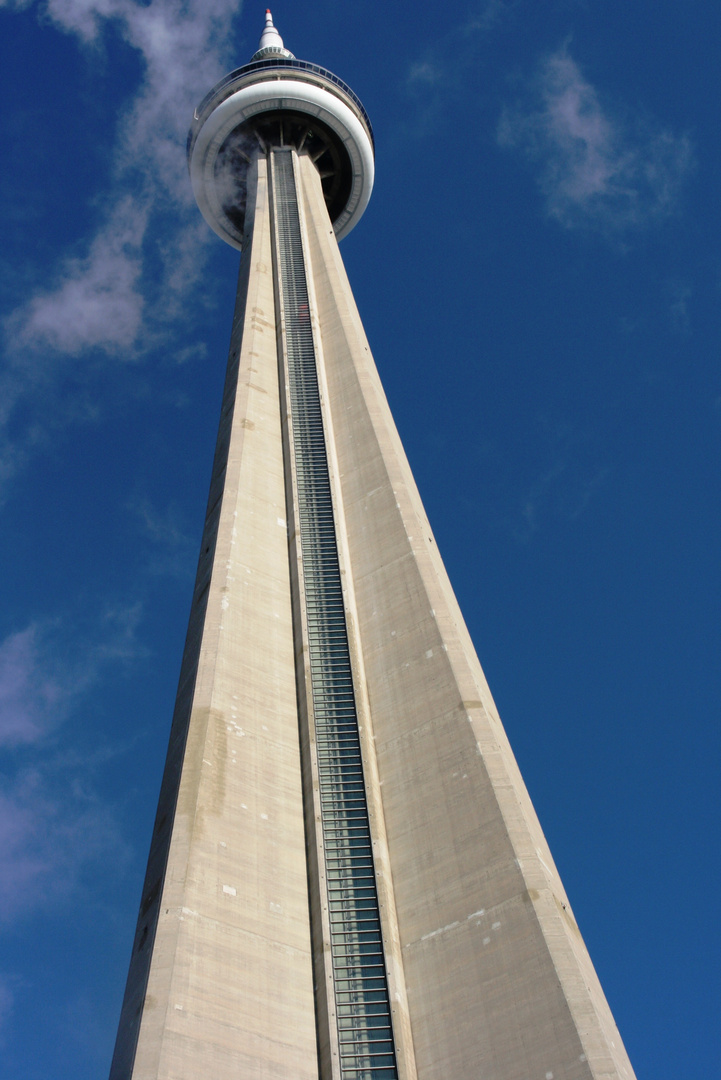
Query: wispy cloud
x=117, y=297
x=49, y=832
x=96, y=300
x=175, y=549
x=572, y=473
x=184, y=45
x=562, y=491
x=53, y=822
x=679, y=294
x=597, y=167
x=443, y=68
x=46, y=667
x=30, y=697
x=487, y=15
x=7, y=1002
x=425, y=72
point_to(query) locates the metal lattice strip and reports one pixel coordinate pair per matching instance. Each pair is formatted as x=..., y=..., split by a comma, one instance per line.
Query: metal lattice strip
x=361, y=991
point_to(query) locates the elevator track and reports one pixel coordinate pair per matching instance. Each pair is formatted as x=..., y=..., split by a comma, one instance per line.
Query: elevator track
x=360, y=984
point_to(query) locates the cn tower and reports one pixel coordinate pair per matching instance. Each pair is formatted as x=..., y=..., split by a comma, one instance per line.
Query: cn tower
x=347, y=879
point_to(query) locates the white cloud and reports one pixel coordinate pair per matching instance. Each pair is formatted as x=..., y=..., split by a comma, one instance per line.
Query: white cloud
x=116, y=636
x=679, y=294
x=185, y=49
x=52, y=821
x=444, y=66
x=174, y=550
x=120, y=295
x=425, y=72
x=29, y=695
x=488, y=15
x=596, y=169
x=46, y=667
x=48, y=834
x=7, y=1002
x=184, y=45
x=96, y=302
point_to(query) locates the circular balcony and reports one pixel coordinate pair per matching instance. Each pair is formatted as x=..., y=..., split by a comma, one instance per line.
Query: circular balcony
x=280, y=102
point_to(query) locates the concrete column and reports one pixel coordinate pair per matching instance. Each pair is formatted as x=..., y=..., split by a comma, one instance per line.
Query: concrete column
x=227, y=991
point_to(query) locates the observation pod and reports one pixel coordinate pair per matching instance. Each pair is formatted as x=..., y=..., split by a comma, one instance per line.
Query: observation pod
x=279, y=101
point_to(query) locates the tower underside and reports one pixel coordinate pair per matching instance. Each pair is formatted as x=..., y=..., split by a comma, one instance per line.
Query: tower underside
x=347, y=880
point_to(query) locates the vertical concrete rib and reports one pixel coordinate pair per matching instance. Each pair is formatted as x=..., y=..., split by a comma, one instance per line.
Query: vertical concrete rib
x=499, y=982
x=221, y=981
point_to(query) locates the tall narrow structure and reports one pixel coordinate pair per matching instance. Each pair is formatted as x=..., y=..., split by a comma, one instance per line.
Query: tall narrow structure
x=347, y=879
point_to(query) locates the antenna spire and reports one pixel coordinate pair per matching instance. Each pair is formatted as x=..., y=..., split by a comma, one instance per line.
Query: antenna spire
x=271, y=43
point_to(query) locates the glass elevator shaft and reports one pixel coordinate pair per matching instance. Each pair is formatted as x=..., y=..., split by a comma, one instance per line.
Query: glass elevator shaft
x=362, y=1007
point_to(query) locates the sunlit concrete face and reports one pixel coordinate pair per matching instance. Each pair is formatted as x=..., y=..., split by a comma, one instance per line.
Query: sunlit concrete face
x=347, y=879
x=223, y=940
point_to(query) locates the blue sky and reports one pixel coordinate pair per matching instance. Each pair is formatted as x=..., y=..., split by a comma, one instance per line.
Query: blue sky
x=539, y=274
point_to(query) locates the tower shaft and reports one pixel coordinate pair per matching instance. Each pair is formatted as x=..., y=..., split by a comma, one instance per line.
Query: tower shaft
x=347, y=880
